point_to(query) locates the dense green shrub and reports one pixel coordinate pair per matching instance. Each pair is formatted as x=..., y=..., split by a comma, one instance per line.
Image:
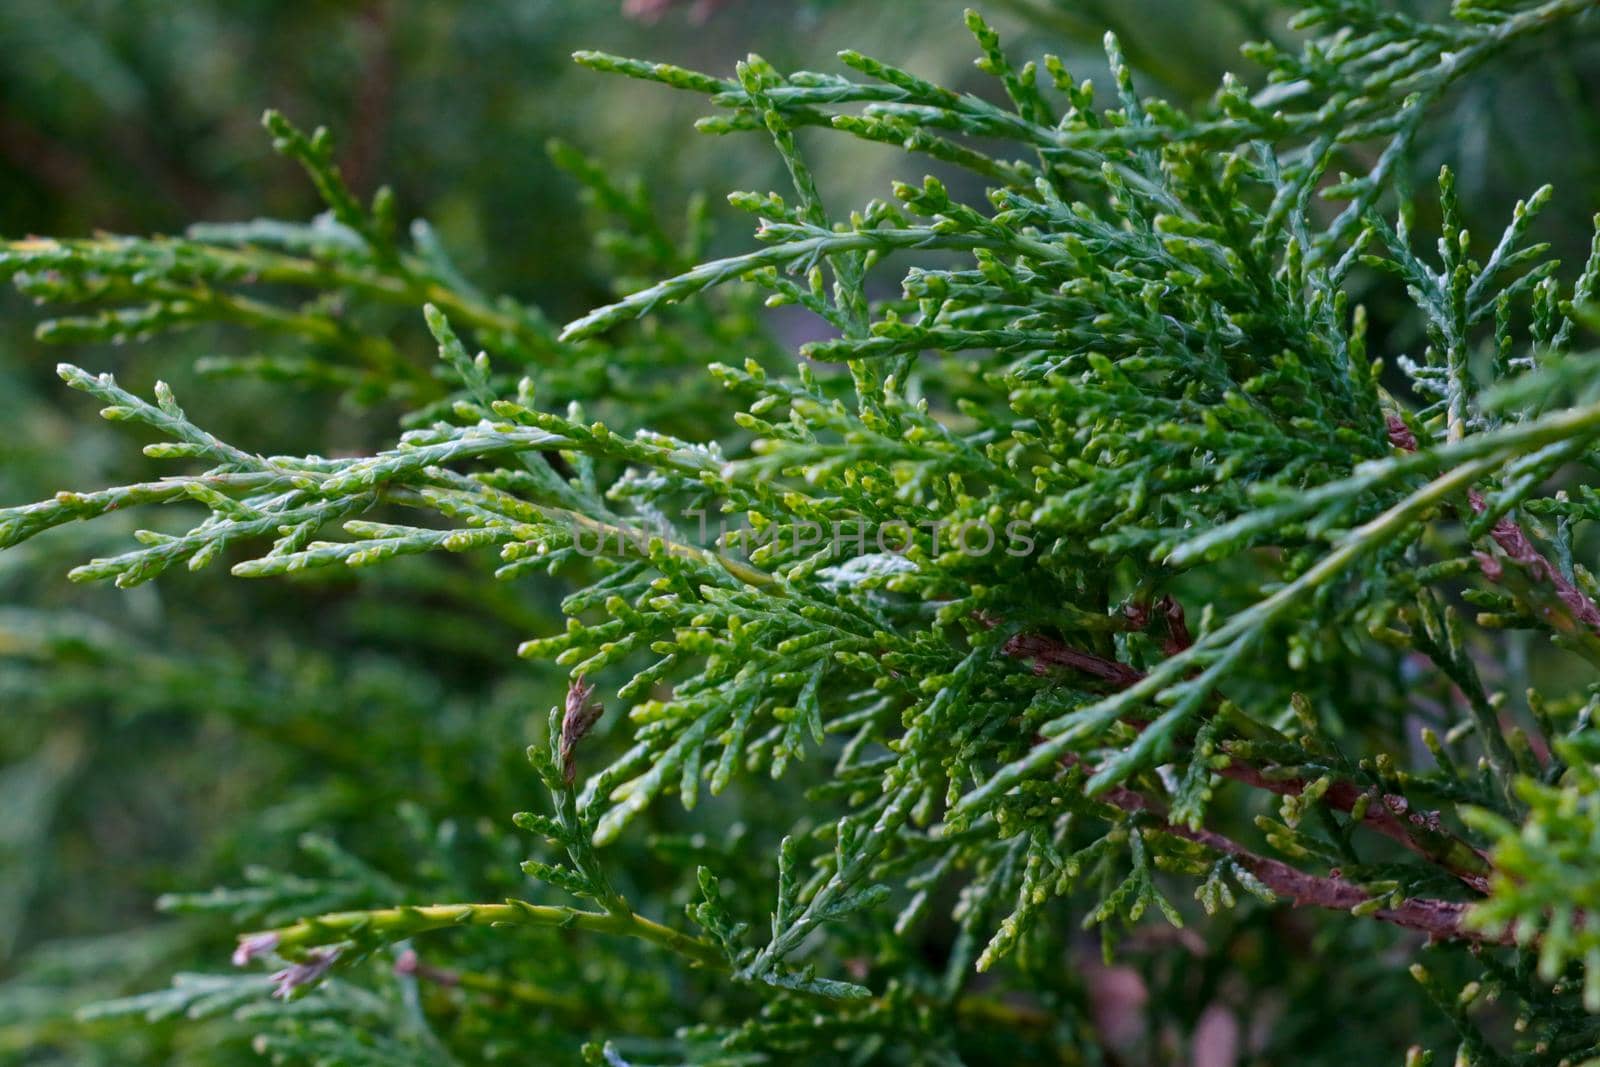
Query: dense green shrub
x=1111, y=604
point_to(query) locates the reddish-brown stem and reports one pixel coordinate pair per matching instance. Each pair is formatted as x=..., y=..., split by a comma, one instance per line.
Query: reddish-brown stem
x=1421, y=832
x=1047, y=652
x=1520, y=550
x=1439, y=919
x=1178, y=637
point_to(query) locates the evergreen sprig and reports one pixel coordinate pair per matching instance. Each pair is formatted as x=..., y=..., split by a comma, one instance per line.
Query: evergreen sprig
x=1103, y=565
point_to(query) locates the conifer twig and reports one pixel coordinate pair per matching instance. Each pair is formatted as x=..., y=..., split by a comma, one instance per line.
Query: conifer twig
x=394, y=924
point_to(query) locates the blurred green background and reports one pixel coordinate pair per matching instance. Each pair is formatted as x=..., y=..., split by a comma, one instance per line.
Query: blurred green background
x=168, y=737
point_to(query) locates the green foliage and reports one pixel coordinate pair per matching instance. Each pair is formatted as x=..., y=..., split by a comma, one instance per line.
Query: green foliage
x=1103, y=566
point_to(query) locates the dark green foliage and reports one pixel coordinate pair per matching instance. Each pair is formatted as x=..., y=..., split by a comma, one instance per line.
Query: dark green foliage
x=1116, y=585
